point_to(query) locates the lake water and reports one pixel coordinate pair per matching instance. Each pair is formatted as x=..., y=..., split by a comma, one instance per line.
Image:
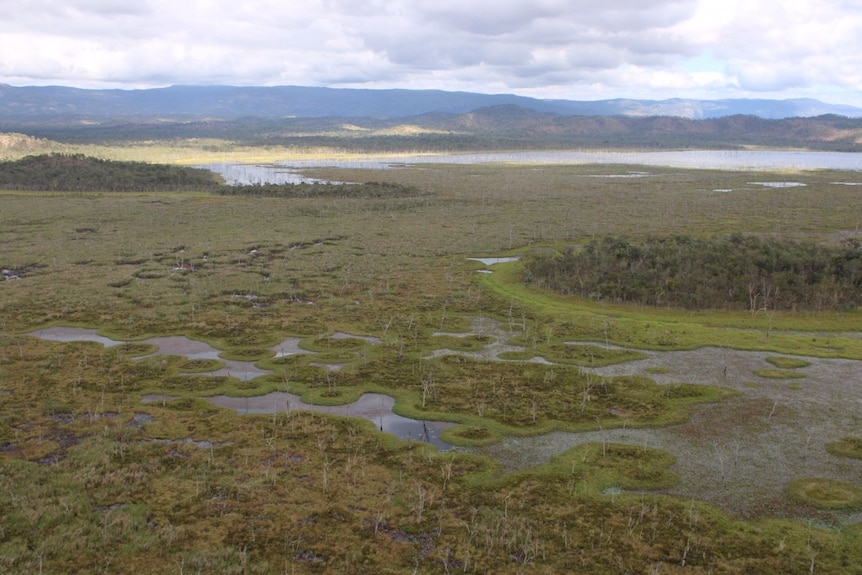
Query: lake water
x=288, y=171
x=258, y=174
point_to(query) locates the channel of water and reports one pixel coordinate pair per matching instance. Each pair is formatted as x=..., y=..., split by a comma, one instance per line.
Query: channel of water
x=375, y=407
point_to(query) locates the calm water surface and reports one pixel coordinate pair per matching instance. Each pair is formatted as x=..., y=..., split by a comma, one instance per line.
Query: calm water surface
x=287, y=171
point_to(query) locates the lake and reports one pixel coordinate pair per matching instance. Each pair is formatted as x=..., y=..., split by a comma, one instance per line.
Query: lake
x=289, y=171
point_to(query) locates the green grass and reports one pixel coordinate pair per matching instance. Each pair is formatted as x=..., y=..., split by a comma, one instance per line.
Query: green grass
x=200, y=365
x=248, y=354
x=571, y=353
x=846, y=447
x=825, y=493
x=465, y=344
x=778, y=374
x=657, y=370
x=666, y=329
x=787, y=362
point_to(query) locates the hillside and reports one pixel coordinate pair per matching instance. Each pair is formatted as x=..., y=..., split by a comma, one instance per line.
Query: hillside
x=502, y=127
x=64, y=105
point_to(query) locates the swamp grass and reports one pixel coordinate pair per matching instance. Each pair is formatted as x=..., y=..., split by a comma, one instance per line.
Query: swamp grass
x=850, y=446
x=778, y=374
x=816, y=334
x=570, y=353
x=93, y=480
x=825, y=493
x=787, y=362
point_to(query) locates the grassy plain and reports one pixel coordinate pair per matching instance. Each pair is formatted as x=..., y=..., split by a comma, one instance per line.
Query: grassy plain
x=94, y=481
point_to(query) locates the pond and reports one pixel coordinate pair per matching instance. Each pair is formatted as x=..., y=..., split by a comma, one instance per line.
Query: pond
x=372, y=406
x=257, y=174
x=492, y=261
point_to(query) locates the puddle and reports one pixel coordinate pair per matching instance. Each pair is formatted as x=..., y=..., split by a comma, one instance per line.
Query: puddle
x=374, y=407
x=171, y=345
x=499, y=333
x=492, y=261
x=68, y=334
x=194, y=349
x=289, y=346
x=778, y=184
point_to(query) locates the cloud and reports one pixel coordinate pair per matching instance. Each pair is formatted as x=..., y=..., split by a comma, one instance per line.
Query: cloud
x=555, y=48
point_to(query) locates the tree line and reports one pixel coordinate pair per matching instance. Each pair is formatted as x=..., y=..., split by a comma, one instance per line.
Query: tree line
x=733, y=272
x=79, y=173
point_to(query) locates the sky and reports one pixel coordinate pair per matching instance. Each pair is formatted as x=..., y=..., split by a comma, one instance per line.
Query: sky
x=568, y=49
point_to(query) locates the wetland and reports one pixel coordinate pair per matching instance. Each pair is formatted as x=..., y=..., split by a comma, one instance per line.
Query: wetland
x=197, y=382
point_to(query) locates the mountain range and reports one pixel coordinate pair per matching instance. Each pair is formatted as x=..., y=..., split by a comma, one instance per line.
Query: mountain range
x=58, y=104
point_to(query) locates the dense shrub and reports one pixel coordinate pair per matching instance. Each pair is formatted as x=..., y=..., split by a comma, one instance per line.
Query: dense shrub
x=79, y=173
x=369, y=190
x=726, y=272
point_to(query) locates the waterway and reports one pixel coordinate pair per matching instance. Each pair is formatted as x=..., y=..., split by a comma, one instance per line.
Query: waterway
x=290, y=171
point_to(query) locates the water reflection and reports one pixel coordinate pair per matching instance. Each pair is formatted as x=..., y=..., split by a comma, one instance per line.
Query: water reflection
x=289, y=171
x=492, y=261
x=69, y=334
x=259, y=174
x=374, y=407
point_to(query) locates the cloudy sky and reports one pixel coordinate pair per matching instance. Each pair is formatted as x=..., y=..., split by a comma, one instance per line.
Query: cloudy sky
x=572, y=49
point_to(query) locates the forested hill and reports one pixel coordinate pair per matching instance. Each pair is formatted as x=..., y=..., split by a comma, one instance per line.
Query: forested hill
x=504, y=127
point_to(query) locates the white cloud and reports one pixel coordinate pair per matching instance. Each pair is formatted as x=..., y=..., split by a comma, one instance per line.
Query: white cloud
x=554, y=48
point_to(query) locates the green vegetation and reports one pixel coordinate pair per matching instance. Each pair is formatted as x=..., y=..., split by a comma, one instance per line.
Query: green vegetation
x=727, y=272
x=825, y=493
x=93, y=480
x=778, y=374
x=787, y=362
x=78, y=173
x=200, y=365
x=847, y=447
x=322, y=190
x=573, y=353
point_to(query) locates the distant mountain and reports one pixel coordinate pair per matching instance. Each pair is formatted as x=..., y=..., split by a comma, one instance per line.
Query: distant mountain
x=63, y=105
x=498, y=127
